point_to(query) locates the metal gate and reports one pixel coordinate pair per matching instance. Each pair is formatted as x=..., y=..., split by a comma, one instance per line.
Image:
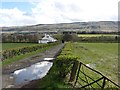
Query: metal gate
x=87, y=77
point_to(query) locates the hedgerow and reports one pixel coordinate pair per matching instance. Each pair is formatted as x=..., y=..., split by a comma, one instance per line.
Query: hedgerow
x=65, y=60
x=23, y=50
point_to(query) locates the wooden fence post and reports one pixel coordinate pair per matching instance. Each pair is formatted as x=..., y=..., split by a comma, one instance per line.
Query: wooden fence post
x=74, y=70
x=78, y=73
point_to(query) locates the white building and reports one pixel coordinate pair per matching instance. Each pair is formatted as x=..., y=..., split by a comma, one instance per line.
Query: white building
x=46, y=39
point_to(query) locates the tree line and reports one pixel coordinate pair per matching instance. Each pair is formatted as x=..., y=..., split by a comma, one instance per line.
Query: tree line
x=32, y=38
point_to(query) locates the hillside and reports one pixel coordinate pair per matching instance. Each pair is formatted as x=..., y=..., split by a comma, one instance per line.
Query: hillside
x=107, y=26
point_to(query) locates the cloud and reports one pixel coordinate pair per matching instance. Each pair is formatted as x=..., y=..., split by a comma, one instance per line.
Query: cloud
x=11, y=17
x=76, y=10
x=61, y=11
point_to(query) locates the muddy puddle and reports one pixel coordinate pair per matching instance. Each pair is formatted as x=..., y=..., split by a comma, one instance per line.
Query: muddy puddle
x=35, y=71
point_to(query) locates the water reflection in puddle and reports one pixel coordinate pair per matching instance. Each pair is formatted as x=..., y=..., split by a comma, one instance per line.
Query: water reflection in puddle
x=33, y=72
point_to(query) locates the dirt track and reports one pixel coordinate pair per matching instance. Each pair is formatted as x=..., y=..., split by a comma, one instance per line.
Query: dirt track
x=8, y=80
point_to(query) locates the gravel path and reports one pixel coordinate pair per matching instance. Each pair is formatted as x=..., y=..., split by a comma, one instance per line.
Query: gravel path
x=8, y=81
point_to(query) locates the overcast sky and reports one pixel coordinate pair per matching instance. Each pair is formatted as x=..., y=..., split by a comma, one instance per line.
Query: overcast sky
x=31, y=12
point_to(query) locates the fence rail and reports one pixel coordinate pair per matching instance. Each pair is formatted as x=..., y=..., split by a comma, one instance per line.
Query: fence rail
x=84, y=79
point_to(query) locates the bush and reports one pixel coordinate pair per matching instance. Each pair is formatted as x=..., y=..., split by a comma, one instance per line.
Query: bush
x=64, y=64
x=70, y=37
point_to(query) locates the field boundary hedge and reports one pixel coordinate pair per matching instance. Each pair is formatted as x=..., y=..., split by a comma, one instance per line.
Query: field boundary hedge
x=64, y=62
x=24, y=50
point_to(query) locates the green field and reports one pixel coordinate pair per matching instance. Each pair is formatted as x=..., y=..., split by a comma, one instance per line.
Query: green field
x=96, y=35
x=100, y=56
x=6, y=46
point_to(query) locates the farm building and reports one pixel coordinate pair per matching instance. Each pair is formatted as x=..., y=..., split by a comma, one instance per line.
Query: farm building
x=46, y=39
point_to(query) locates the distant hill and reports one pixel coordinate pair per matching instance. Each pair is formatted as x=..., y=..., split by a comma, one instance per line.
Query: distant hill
x=106, y=26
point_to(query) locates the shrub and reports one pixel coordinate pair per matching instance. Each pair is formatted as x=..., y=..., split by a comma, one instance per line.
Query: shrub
x=64, y=64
